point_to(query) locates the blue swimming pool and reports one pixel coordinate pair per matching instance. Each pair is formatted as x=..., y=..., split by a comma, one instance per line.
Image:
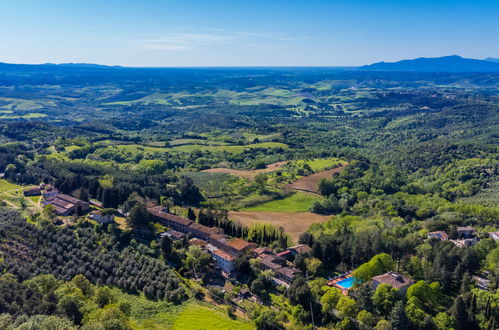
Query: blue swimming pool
x=346, y=283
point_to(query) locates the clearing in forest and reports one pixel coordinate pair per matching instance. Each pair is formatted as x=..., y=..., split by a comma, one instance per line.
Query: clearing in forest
x=294, y=223
x=296, y=202
x=310, y=183
x=247, y=174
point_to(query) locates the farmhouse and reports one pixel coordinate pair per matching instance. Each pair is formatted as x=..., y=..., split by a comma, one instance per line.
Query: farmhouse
x=33, y=191
x=299, y=249
x=393, y=279
x=224, y=260
x=170, y=220
x=173, y=235
x=104, y=216
x=65, y=205
x=494, y=235
x=440, y=235
x=465, y=232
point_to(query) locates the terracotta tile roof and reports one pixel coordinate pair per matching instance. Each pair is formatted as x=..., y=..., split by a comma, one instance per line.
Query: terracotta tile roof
x=224, y=255
x=198, y=242
x=240, y=244
x=442, y=235
x=393, y=279
x=159, y=212
x=302, y=248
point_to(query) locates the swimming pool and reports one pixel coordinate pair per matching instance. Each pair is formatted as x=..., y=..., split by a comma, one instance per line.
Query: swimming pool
x=346, y=283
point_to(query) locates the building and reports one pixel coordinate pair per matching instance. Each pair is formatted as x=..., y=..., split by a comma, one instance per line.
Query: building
x=393, y=279
x=465, y=232
x=463, y=243
x=224, y=260
x=238, y=246
x=494, y=235
x=66, y=205
x=170, y=220
x=32, y=191
x=173, y=235
x=48, y=191
x=299, y=249
x=102, y=216
x=440, y=235
x=203, y=232
x=287, y=274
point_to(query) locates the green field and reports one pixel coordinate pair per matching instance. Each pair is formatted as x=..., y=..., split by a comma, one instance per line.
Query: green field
x=196, y=317
x=296, y=202
x=192, y=147
x=7, y=186
x=321, y=164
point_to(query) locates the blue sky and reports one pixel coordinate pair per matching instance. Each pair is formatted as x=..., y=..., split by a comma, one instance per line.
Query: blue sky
x=245, y=33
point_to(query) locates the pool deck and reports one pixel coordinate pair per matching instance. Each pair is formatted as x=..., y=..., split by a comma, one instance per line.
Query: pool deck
x=334, y=282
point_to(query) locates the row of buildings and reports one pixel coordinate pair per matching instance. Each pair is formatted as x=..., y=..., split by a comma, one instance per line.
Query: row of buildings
x=64, y=205
x=224, y=249
x=465, y=236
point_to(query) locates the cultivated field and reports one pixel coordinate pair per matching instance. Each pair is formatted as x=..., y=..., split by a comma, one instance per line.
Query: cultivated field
x=309, y=183
x=247, y=174
x=294, y=223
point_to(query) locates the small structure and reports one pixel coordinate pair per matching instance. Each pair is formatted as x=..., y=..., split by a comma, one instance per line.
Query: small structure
x=494, y=235
x=198, y=242
x=32, y=191
x=463, y=243
x=287, y=274
x=393, y=279
x=286, y=254
x=103, y=216
x=173, y=235
x=465, y=232
x=440, y=235
x=299, y=249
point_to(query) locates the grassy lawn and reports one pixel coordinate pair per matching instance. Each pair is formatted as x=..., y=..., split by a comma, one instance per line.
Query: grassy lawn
x=195, y=316
x=297, y=202
x=321, y=164
x=6, y=186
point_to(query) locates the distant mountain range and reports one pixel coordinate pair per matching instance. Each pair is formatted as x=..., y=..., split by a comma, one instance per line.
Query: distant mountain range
x=452, y=63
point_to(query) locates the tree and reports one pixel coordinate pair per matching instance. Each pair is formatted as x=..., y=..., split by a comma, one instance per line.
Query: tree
x=299, y=292
x=103, y=296
x=384, y=298
x=428, y=295
x=366, y=318
x=398, y=318
x=330, y=299
x=347, y=307
x=416, y=314
x=267, y=319
x=459, y=313
x=138, y=215
x=379, y=264
x=84, y=285
x=444, y=321
x=166, y=246
x=383, y=325
x=313, y=265
x=191, y=215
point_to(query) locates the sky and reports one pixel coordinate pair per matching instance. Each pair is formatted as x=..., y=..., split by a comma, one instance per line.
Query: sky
x=172, y=33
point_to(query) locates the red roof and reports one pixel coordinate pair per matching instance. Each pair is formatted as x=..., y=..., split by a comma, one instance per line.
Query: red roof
x=224, y=255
